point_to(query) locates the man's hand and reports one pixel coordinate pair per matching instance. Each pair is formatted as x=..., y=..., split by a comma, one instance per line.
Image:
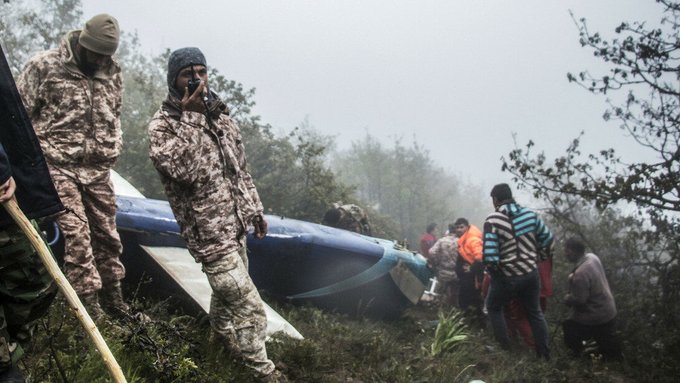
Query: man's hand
x=7, y=190
x=260, y=227
x=194, y=102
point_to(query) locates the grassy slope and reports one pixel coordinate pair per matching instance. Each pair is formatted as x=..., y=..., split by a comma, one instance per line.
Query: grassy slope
x=178, y=348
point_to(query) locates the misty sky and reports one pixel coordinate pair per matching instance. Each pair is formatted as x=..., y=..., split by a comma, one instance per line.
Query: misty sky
x=461, y=76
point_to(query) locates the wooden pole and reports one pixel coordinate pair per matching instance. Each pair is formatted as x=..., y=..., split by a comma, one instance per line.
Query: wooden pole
x=46, y=256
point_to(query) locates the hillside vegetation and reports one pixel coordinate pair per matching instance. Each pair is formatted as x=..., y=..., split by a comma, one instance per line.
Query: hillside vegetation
x=301, y=173
x=177, y=347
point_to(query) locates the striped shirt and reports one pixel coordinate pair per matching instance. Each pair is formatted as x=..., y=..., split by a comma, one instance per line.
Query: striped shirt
x=514, y=237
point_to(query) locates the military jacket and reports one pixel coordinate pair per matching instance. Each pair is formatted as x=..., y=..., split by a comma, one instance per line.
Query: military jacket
x=203, y=169
x=443, y=256
x=353, y=218
x=76, y=118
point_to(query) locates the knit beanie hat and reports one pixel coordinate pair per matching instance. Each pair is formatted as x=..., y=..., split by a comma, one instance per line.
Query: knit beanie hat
x=182, y=58
x=501, y=192
x=101, y=35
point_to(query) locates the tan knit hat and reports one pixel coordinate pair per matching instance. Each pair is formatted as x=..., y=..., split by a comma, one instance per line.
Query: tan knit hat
x=100, y=35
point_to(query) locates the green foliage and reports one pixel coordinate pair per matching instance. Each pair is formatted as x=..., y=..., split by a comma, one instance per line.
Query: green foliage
x=162, y=351
x=403, y=184
x=588, y=195
x=291, y=172
x=641, y=59
x=27, y=27
x=451, y=332
x=144, y=90
x=635, y=271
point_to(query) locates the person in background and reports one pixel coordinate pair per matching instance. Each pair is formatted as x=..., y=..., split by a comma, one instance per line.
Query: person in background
x=348, y=217
x=515, y=239
x=469, y=266
x=198, y=152
x=442, y=259
x=428, y=239
x=73, y=95
x=592, y=307
x=26, y=288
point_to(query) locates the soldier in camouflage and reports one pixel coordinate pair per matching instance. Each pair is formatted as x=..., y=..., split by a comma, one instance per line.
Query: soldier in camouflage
x=442, y=259
x=348, y=217
x=26, y=288
x=198, y=152
x=73, y=94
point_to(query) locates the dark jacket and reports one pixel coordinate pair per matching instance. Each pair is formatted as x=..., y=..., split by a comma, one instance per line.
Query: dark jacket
x=20, y=154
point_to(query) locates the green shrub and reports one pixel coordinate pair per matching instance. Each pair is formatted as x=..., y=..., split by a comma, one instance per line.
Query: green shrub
x=451, y=332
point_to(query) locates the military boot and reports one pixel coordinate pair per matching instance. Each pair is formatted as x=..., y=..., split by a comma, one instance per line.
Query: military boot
x=91, y=303
x=275, y=377
x=112, y=299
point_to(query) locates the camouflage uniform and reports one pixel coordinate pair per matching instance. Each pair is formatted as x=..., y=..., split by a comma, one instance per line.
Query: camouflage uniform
x=352, y=218
x=26, y=291
x=77, y=119
x=442, y=258
x=236, y=310
x=203, y=169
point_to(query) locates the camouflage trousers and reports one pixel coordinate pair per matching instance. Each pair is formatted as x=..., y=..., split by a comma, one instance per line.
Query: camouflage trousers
x=92, y=246
x=448, y=293
x=26, y=292
x=236, y=311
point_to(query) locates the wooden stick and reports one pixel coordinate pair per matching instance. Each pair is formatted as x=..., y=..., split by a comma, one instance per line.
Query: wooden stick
x=46, y=256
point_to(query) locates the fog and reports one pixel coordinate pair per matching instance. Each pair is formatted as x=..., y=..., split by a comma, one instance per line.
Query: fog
x=459, y=77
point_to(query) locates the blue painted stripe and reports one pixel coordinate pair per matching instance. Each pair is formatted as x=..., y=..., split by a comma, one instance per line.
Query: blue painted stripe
x=376, y=271
x=388, y=261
